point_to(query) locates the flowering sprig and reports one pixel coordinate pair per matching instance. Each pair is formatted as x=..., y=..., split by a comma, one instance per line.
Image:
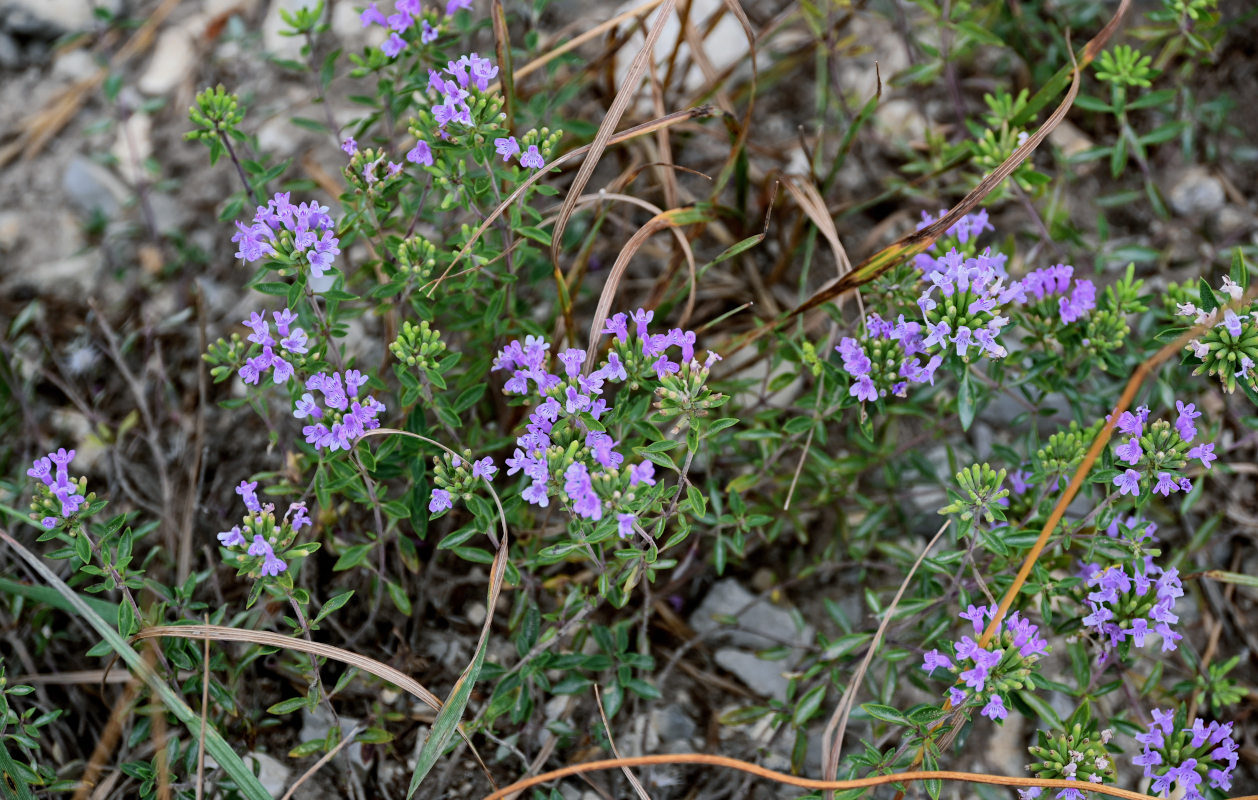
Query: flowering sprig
x=1130, y=602
x=1150, y=456
x=292, y=344
x=342, y=416
x=1004, y=666
x=1076, y=754
x=58, y=499
x=1229, y=348
x=458, y=477
x=1049, y=294
x=406, y=25
x=972, y=294
x=566, y=451
x=886, y=359
x=261, y=543
x=1183, y=757
x=291, y=235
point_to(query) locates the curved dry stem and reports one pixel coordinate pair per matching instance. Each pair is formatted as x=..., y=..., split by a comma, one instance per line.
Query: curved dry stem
x=810, y=783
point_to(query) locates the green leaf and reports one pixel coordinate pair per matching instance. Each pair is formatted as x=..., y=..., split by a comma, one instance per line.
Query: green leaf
x=884, y=713
x=808, y=705
x=333, y=604
x=965, y=402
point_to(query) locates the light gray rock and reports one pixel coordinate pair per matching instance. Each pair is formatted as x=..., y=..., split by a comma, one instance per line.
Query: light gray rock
x=217, y=8
x=10, y=53
x=1197, y=192
x=10, y=230
x=174, y=58
x=133, y=143
x=316, y=726
x=671, y=724
x=273, y=774
x=89, y=187
x=273, y=24
x=760, y=624
x=74, y=65
x=51, y=18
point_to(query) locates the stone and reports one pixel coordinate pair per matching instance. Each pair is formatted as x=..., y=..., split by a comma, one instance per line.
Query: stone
x=74, y=65
x=724, y=45
x=92, y=188
x=50, y=19
x=273, y=42
x=10, y=230
x=218, y=8
x=272, y=774
x=671, y=724
x=133, y=143
x=476, y=613
x=1196, y=192
x=761, y=625
x=10, y=53
x=174, y=58
x=317, y=725
x=902, y=121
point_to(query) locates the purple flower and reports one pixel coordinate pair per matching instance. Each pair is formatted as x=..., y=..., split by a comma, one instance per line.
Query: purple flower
x=484, y=468
x=1130, y=424
x=1166, y=484
x=299, y=517
x=507, y=148
x=349, y=145
x=260, y=547
x=1128, y=482
x=42, y=470
x=393, y=45
x=535, y=493
x=421, y=153
x=272, y=565
x=624, y=525
x=532, y=159
x=580, y=490
x=49, y=523
x=1232, y=322
x=246, y=492
x=428, y=34
x=995, y=709
x=371, y=16
x=643, y=473
x=454, y=5
x=1130, y=452
x=232, y=538
x=863, y=389
x=1183, y=423
x=1204, y=452
x=440, y=501
x=934, y=659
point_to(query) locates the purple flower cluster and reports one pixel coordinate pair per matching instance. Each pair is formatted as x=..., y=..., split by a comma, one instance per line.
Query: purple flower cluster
x=1151, y=454
x=1130, y=603
x=281, y=228
x=292, y=342
x=972, y=293
x=559, y=452
x=452, y=86
x=971, y=226
x=259, y=535
x=59, y=484
x=344, y=415
x=457, y=479
x=990, y=671
x=406, y=13
x=1072, y=303
x=1202, y=751
x=886, y=359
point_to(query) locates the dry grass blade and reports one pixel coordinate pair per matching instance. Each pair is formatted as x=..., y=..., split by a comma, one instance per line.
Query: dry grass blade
x=811, y=783
x=666, y=219
x=318, y=765
x=644, y=129
x=811, y=203
x=588, y=36
x=223, y=633
x=832, y=743
x=633, y=779
x=910, y=245
x=608, y=126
